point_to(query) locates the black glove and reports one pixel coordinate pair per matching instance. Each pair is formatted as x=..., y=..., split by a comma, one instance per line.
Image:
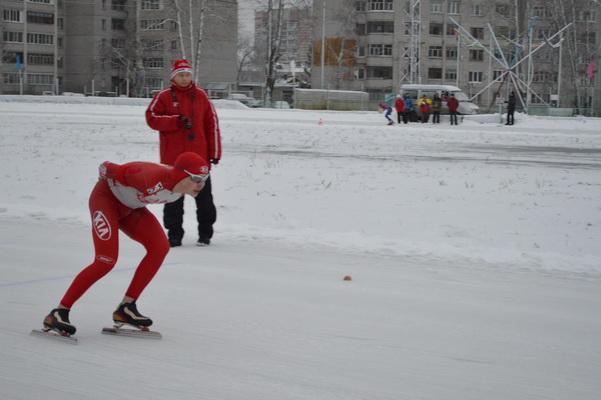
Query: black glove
x=184, y=122
x=214, y=161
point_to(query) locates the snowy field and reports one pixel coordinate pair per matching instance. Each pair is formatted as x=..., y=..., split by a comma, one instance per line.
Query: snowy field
x=474, y=250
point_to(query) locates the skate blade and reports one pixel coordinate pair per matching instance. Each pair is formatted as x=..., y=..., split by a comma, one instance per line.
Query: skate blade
x=55, y=335
x=136, y=333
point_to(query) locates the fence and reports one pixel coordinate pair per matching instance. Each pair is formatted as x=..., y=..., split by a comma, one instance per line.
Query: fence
x=319, y=99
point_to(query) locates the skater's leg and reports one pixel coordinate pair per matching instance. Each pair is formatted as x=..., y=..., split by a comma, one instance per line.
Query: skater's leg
x=142, y=226
x=206, y=213
x=105, y=233
x=173, y=219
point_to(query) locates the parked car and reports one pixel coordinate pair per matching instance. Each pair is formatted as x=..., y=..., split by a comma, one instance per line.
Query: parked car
x=242, y=98
x=416, y=91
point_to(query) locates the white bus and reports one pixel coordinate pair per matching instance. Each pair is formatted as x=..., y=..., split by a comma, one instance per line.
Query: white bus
x=416, y=91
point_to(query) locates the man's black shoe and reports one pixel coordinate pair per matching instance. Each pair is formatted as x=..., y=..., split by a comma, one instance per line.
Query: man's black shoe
x=203, y=242
x=174, y=242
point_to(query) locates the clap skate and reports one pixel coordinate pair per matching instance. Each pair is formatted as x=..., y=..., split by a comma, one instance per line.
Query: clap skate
x=127, y=315
x=57, y=325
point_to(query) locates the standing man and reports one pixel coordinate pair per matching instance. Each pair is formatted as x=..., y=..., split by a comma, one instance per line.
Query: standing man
x=186, y=121
x=118, y=203
x=453, y=105
x=408, y=109
x=399, y=106
x=436, y=106
x=510, y=108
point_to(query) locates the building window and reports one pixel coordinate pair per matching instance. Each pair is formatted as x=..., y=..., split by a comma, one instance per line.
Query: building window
x=435, y=29
x=476, y=55
x=10, y=57
x=450, y=74
x=151, y=5
x=103, y=23
x=11, y=15
x=11, y=78
x=40, y=18
x=153, y=83
x=497, y=74
x=477, y=33
x=41, y=1
x=475, y=76
x=40, y=79
x=452, y=30
x=360, y=6
x=153, y=63
x=117, y=24
x=538, y=11
x=152, y=45
x=360, y=51
x=477, y=10
x=118, y=43
x=60, y=22
x=587, y=16
x=40, y=59
x=174, y=45
x=15, y=37
x=360, y=29
x=59, y=42
x=380, y=5
x=40, y=38
x=360, y=74
x=435, y=51
x=379, y=72
x=453, y=7
x=152, y=24
x=380, y=27
x=451, y=53
x=434, y=73
x=436, y=7
x=376, y=50
x=119, y=5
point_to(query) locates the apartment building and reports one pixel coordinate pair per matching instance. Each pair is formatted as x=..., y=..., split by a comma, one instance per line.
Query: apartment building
x=374, y=38
x=32, y=50
x=113, y=47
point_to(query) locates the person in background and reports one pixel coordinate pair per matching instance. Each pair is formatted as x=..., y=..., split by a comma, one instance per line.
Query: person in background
x=387, y=111
x=453, y=105
x=186, y=121
x=399, y=106
x=510, y=109
x=424, y=108
x=118, y=202
x=408, y=109
x=436, y=106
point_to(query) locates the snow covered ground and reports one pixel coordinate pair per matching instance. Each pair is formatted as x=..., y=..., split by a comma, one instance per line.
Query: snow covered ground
x=474, y=252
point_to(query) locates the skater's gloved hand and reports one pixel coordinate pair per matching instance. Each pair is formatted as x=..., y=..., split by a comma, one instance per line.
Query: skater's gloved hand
x=214, y=161
x=184, y=122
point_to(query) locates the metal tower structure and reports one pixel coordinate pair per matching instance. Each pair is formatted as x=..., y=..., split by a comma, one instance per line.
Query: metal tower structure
x=414, y=44
x=509, y=67
x=410, y=73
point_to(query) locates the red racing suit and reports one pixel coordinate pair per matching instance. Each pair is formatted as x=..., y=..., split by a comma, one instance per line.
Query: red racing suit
x=167, y=113
x=118, y=202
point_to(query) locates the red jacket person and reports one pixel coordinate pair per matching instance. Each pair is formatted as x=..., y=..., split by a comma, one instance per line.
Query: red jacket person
x=118, y=202
x=186, y=121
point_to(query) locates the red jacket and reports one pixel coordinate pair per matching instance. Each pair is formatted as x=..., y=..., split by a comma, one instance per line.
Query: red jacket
x=453, y=104
x=164, y=114
x=137, y=184
x=399, y=105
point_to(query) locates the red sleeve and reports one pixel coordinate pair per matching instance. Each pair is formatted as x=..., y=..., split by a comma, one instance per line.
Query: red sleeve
x=156, y=114
x=143, y=175
x=211, y=128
